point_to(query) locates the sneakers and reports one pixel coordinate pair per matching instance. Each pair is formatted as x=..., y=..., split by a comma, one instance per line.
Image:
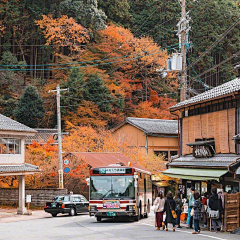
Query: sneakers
x=179, y=227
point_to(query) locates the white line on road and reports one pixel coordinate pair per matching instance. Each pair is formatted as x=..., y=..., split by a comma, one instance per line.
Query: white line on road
x=190, y=233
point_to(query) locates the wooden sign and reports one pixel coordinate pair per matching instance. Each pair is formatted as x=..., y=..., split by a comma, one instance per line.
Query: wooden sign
x=202, y=151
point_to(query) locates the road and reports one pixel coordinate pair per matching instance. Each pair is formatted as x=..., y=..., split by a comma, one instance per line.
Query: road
x=83, y=227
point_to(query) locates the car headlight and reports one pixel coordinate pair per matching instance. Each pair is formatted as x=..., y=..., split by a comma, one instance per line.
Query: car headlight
x=92, y=208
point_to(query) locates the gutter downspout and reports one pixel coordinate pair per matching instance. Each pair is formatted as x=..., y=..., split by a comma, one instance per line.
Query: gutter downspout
x=146, y=146
x=178, y=133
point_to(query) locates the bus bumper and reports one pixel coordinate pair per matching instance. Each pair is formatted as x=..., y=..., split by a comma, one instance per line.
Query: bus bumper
x=105, y=214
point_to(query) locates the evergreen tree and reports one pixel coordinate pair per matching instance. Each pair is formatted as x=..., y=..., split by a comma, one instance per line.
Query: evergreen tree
x=117, y=11
x=76, y=92
x=98, y=93
x=30, y=109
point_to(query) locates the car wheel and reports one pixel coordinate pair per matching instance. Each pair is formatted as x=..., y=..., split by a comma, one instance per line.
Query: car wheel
x=54, y=214
x=99, y=219
x=72, y=212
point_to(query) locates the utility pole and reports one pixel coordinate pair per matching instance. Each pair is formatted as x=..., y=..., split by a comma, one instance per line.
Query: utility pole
x=60, y=162
x=183, y=86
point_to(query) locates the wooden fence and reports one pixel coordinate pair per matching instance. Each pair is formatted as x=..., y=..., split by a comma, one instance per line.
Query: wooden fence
x=231, y=216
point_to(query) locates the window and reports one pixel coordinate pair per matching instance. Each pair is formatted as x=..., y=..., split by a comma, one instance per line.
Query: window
x=83, y=199
x=10, y=146
x=76, y=199
x=163, y=153
x=173, y=153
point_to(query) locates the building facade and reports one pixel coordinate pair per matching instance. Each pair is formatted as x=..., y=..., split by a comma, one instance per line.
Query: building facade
x=156, y=136
x=209, y=126
x=12, y=155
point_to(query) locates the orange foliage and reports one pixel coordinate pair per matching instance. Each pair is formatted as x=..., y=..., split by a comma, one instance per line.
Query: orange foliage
x=87, y=139
x=63, y=31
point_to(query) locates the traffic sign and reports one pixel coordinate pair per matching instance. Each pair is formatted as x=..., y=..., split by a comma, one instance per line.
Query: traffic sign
x=66, y=161
x=66, y=170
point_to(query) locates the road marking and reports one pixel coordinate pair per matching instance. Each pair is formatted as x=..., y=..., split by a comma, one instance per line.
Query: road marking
x=200, y=234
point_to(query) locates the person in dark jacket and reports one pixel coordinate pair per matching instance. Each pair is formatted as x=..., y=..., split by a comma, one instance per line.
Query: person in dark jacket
x=169, y=205
x=178, y=209
x=197, y=214
x=215, y=203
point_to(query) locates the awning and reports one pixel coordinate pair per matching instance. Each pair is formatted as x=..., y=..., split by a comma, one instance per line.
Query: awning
x=195, y=174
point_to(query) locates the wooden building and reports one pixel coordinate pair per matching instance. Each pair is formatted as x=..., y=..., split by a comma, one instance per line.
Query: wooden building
x=150, y=135
x=209, y=143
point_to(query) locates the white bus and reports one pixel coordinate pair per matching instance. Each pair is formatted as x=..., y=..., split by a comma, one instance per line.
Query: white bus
x=119, y=191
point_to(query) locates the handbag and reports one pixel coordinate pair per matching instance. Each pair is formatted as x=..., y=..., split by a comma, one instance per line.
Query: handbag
x=192, y=212
x=174, y=215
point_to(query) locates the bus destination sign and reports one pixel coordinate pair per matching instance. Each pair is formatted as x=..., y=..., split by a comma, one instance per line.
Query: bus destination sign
x=112, y=170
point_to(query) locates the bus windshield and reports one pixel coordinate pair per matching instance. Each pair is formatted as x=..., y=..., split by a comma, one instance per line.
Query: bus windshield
x=110, y=187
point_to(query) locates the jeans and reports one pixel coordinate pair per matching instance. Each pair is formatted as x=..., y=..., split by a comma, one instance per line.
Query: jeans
x=189, y=216
x=196, y=225
x=216, y=222
x=178, y=217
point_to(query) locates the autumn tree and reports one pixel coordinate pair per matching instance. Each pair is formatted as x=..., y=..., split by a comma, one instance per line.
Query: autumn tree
x=30, y=109
x=63, y=32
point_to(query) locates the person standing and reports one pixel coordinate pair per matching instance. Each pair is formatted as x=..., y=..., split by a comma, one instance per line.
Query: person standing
x=190, y=204
x=169, y=205
x=205, y=204
x=179, y=205
x=215, y=203
x=159, y=207
x=197, y=215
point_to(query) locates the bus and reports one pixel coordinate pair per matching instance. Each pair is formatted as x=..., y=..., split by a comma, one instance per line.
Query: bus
x=119, y=191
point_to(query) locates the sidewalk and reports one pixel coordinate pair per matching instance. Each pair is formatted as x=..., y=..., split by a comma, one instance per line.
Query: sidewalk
x=10, y=215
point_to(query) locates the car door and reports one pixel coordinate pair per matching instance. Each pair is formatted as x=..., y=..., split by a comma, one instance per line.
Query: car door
x=84, y=204
x=77, y=203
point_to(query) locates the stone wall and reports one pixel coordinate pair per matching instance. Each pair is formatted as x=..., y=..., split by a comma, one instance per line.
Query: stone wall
x=39, y=196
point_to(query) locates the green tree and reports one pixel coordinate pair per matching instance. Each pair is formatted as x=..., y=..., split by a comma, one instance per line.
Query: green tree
x=85, y=12
x=98, y=93
x=75, y=94
x=117, y=11
x=30, y=109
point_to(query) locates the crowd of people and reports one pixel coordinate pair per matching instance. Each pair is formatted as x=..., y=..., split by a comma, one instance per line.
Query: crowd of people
x=199, y=209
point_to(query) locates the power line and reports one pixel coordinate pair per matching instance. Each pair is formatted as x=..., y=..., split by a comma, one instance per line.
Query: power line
x=215, y=43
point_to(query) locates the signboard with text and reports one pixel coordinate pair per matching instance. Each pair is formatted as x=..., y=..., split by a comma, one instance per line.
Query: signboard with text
x=202, y=151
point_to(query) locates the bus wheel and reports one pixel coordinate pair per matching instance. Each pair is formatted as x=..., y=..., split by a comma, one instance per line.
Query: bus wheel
x=147, y=212
x=99, y=219
x=138, y=217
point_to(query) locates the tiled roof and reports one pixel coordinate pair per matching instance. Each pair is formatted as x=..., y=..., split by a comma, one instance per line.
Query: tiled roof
x=218, y=161
x=42, y=136
x=105, y=159
x=154, y=126
x=7, y=124
x=224, y=89
x=18, y=168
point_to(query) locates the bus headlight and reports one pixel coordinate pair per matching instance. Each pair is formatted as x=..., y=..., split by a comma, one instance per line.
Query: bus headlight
x=131, y=207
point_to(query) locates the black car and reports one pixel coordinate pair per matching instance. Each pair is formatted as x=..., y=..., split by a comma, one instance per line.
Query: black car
x=71, y=204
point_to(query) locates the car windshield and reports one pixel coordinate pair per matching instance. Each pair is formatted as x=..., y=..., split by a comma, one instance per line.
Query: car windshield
x=104, y=187
x=61, y=199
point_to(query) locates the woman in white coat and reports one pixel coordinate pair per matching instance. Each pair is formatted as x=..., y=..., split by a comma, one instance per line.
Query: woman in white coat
x=158, y=210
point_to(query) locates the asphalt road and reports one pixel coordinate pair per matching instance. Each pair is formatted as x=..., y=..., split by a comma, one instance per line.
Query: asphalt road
x=83, y=227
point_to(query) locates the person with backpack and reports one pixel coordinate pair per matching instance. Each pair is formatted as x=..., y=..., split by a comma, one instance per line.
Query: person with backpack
x=169, y=208
x=196, y=212
x=158, y=210
x=178, y=209
x=215, y=204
